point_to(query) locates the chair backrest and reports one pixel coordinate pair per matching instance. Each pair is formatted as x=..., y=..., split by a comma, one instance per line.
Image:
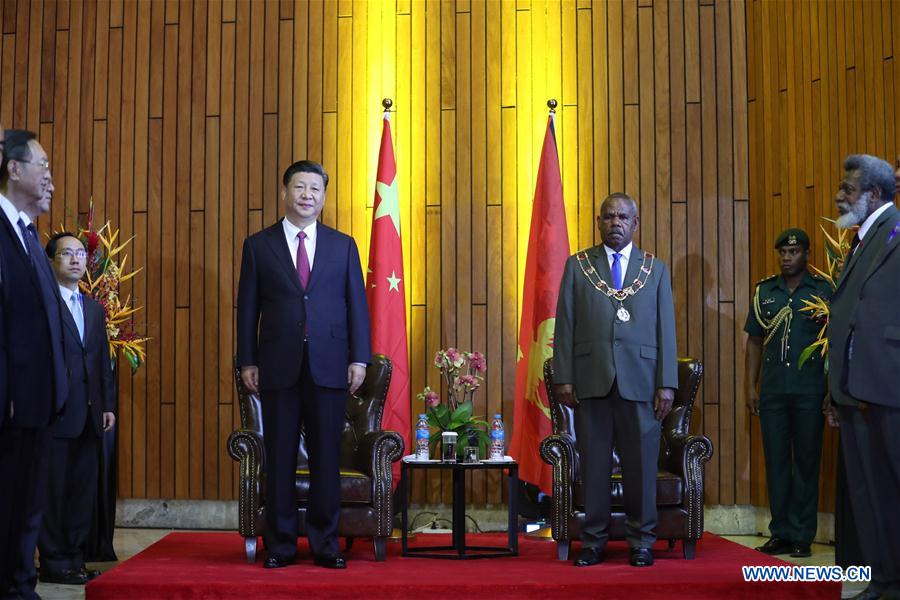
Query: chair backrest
x=690, y=372
x=362, y=414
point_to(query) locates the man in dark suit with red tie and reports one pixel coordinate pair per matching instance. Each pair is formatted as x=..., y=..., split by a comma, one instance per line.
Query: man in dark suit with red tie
x=37, y=382
x=864, y=358
x=302, y=340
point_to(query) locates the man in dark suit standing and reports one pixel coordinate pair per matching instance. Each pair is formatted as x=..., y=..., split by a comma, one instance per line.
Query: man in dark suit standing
x=3, y=349
x=864, y=358
x=36, y=387
x=615, y=362
x=74, y=460
x=302, y=340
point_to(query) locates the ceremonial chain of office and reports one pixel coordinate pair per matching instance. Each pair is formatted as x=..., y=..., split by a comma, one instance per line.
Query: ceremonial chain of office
x=590, y=272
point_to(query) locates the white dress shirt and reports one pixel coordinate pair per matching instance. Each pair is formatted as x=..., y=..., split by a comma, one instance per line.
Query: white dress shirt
x=867, y=224
x=623, y=259
x=14, y=215
x=293, y=242
x=78, y=316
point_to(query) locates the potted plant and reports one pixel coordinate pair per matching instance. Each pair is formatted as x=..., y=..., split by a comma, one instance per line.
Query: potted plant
x=462, y=373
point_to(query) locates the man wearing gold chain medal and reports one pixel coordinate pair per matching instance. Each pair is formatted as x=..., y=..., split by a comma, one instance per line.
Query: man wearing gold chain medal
x=615, y=363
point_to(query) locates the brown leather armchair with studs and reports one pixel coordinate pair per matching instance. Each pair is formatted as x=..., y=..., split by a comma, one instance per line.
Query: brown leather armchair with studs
x=679, y=481
x=367, y=454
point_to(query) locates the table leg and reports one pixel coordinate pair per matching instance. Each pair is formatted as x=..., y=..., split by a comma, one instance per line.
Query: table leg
x=404, y=501
x=513, y=502
x=459, y=511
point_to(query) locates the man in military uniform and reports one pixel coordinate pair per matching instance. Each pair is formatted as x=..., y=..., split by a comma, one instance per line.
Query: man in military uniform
x=788, y=398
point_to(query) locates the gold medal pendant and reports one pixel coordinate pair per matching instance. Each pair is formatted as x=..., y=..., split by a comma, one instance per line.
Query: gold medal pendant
x=623, y=315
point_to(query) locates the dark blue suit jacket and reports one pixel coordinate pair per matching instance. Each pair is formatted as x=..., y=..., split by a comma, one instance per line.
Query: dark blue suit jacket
x=92, y=387
x=864, y=310
x=37, y=381
x=4, y=352
x=274, y=312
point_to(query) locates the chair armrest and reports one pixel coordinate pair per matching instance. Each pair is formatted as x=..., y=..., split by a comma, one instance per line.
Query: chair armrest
x=688, y=455
x=375, y=453
x=246, y=447
x=560, y=452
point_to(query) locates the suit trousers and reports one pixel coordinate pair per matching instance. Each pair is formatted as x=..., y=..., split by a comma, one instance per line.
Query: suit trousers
x=632, y=428
x=23, y=471
x=792, y=443
x=884, y=425
x=319, y=413
x=74, y=467
x=868, y=488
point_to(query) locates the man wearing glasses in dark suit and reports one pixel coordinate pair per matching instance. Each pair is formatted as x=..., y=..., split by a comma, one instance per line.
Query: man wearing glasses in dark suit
x=36, y=386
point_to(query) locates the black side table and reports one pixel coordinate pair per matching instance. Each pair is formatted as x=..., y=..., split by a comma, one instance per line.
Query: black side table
x=460, y=550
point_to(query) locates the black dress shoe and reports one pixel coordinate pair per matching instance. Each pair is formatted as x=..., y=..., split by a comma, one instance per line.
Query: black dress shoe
x=275, y=562
x=868, y=594
x=800, y=551
x=330, y=561
x=64, y=577
x=641, y=557
x=588, y=557
x=776, y=546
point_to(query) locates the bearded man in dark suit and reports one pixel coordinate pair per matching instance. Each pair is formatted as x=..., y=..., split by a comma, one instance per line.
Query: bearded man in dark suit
x=864, y=359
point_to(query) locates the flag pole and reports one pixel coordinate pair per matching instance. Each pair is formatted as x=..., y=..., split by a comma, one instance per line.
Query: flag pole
x=540, y=529
x=396, y=533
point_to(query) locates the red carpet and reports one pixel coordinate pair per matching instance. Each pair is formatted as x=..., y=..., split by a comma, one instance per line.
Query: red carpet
x=212, y=565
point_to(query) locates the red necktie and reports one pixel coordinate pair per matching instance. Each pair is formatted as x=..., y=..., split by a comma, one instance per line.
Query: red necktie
x=302, y=261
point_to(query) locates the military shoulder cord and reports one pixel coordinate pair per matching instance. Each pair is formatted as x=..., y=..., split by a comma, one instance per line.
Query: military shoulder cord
x=782, y=317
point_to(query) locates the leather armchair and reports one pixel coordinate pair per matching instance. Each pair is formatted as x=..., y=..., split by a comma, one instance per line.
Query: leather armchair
x=679, y=489
x=367, y=454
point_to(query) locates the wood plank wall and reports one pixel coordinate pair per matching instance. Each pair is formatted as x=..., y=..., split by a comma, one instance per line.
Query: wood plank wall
x=177, y=118
x=823, y=82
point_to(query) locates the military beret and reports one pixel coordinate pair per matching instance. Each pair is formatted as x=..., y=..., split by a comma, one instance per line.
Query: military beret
x=792, y=237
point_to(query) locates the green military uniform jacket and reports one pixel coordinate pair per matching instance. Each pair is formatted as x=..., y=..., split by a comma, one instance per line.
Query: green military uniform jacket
x=775, y=314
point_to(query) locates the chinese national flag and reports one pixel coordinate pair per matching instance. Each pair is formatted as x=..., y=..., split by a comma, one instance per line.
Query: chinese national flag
x=384, y=290
x=548, y=249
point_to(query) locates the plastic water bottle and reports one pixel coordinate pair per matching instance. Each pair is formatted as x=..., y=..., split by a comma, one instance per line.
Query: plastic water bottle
x=497, y=441
x=422, y=434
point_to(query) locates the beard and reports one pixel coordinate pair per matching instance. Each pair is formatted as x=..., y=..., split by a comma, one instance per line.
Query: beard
x=855, y=213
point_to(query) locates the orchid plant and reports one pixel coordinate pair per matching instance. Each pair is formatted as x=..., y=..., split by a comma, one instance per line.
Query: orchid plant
x=462, y=373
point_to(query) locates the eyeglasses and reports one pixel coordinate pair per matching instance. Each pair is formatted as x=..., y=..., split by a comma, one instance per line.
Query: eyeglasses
x=43, y=163
x=70, y=254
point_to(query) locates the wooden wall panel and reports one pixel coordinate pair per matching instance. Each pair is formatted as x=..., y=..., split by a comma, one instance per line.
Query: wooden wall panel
x=816, y=92
x=178, y=119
